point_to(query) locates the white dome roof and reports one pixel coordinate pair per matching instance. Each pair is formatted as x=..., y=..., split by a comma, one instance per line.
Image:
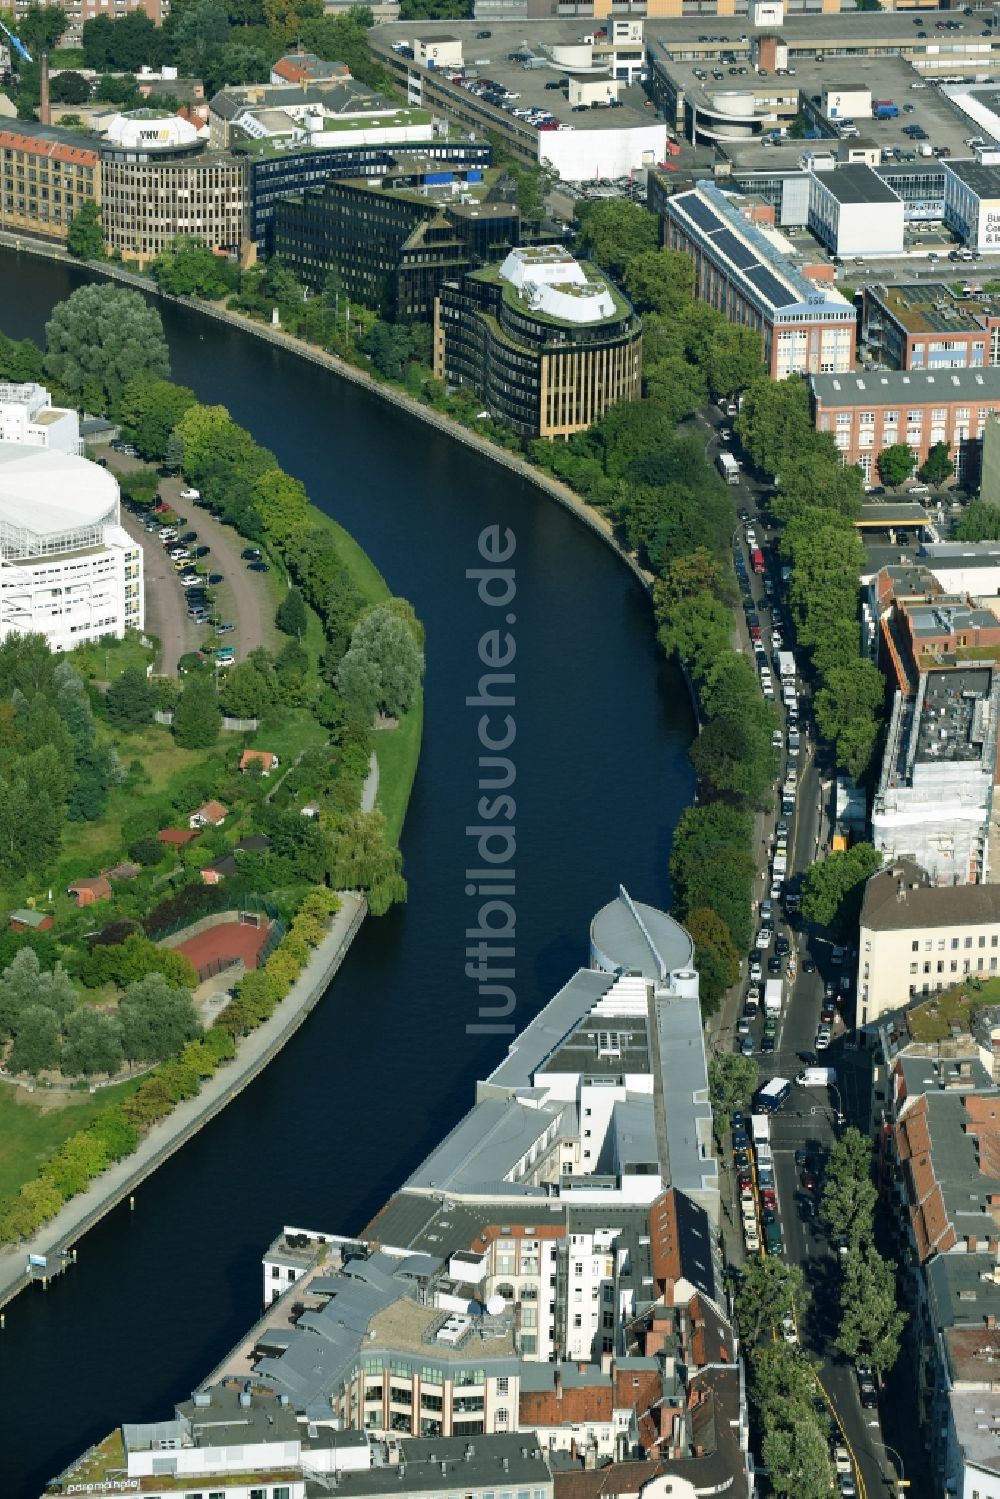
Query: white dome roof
x=148, y=131
x=46, y=494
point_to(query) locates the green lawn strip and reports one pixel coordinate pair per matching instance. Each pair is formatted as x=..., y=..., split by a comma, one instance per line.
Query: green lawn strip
x=29, y=1136
x=287, y=734
x=103, y=660
x=931, y=1021
x=398, y=751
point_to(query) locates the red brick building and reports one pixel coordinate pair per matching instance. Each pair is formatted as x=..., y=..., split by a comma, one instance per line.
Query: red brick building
x=866, y=413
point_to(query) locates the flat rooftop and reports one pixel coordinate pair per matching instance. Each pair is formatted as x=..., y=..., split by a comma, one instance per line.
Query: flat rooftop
x=983, y=180
x=932, y=307
x=954, y=718
x=856, y=183
x=945, y=617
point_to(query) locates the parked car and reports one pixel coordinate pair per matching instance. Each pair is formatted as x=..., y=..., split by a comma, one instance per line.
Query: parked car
x=755, y=970
x=225, y=629
x=808, y=1180
x=190, y=494
x=822, y=1038
x=258, y=567
x=251, y=554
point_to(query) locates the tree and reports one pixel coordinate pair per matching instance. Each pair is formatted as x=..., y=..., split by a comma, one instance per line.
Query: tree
x=383, y=665
x=732, y=1081
x=187, y=266
x=979, y=521
x=733, y=754
x=99, y=339
x=613, y=232
x=118, y=89
x=125, y=44
x=36, y=1044
x=388, y=347
x=660, y=281
x=798, y=1460
x=291, y=614
x=895, y=463
x=131, y=699
x=732, y=357
x=833, y=889
x=937, y=466
x=871, y=1325
x=156, y=1019
x=767, y=1288
x=85, y=239
x=784, y=1378
x=196, y=717
x=716, y=958
x=150, y=410
x=284, y=509
x=247, y=691
x=91, y=1045
x=69, y=87
x=775, y=421
x=24, y=984
x=173, y=456
x=849, y=1195
x=40, y=27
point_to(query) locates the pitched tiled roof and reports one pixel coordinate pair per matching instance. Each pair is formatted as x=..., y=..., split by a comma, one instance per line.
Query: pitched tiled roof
x=54, y=150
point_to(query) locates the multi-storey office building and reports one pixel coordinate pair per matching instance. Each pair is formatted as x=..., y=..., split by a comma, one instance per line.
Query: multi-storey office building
x=394, y=239
x=806, y=326
x=273, y=173
x=158, y=181
x=869, y=412
x=68, y=569
x=28, y=416
x=545, y=341
x=852, y=211
x=926, y=327
x=46, y=175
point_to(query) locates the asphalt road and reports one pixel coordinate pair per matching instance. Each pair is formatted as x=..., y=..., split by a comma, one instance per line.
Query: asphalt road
x=809, y=1119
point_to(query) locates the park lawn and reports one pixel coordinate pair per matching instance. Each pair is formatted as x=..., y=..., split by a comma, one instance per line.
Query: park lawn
x=398, y=751
x=29, y=1135
x=103, y=661
x=286, y=735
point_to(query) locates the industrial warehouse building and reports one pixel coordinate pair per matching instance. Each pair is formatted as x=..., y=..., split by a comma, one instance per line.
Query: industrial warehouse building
x=807, y=326
x=68, y=569
x=546, y=341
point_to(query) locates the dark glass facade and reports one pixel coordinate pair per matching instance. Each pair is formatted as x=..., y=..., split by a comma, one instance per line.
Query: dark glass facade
x=273, y=175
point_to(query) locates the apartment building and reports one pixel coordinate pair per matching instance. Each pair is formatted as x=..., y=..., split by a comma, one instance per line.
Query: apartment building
x=28, y=416
x=46, y=175
x=918, y=938
x=806, y=326
x=79, y=12
x=930, y=630
x=868, y=412
x=927, y=327
x=547, y=343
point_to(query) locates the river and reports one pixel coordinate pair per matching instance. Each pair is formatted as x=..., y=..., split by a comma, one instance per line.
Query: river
x=385, y=1065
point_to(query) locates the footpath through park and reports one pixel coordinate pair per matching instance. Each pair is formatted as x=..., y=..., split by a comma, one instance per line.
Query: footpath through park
x=81, y=1213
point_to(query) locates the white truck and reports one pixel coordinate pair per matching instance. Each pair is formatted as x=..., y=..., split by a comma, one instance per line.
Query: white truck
x=728, y=468
x=760, y=1129
x=779, y=867
x=817, y=1077
x=773, y=997
x=786, y=665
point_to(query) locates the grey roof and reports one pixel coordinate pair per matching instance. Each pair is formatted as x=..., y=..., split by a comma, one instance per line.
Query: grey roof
x=900, y=897
x=540, y=1379
x=631, y=1139
x=897, y=513
x=957, y=1294
x=337, y=95
x=594, y=1050
x=976, y=1415
x=684, y=1089
x=899, y=387
x=983, y=180
x=548, y=1029
x=216, y=1418
x=440, y=1464
x=961, y=553
x=965, y=1188
x=921, y=1074
x=483, y=1149
x=639, y=939
x=856, y=183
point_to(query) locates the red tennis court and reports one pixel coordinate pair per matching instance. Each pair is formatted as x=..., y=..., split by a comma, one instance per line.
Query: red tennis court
x=233, y=941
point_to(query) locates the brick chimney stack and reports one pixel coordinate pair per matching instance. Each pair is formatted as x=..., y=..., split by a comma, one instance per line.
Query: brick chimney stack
x=44, y=109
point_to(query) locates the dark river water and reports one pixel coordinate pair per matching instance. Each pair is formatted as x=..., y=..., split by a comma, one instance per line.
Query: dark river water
x=385, y=1065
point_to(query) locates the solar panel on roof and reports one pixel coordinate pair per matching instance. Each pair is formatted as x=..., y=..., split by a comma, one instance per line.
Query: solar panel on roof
x=777, y=293
x=701, y=214
x=735, y=249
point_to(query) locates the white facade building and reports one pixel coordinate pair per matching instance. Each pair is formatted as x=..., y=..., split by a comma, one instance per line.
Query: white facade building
x=68, y=569
x=854, y=212
x=28, y=416
x=972, y=203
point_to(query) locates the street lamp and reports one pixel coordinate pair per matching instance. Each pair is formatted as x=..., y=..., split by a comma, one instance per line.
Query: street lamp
x=902, y=1482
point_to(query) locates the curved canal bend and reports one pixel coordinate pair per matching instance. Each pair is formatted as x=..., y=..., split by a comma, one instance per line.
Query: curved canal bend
x=385, y=1066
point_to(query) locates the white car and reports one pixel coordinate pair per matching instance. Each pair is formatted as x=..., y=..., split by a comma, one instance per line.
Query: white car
x=752, y=1239
x=190, y=494
x=756, y=971
x=842, y=1459
x=764, y=937
x=189, y=582
x=822, y=1038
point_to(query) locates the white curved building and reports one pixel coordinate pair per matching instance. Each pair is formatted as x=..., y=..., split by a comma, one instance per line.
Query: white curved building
x=68, y=569
x=147, y=130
